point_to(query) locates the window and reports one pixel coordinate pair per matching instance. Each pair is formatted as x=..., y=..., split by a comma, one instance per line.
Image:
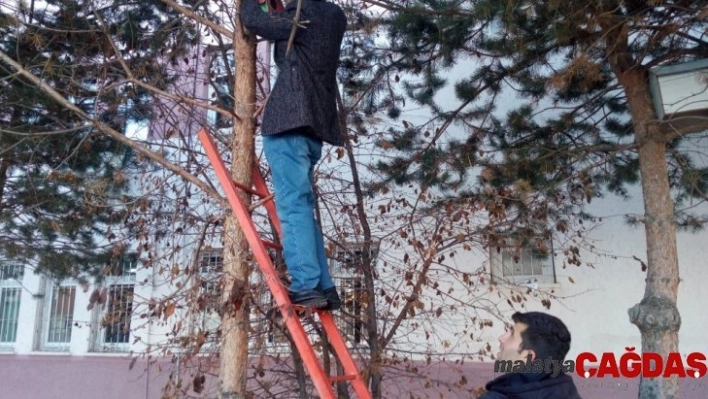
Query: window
x=351, y=259
x=221, y=88
x=114, y=320
x=125, y=268
x=270, y=325
x=222, y=96
x=59, y=311
x=12, y=273
x=346, y=271
x=352, y=317
x=9, y=313
x=211, y=262
x=528, y=265
x=275, y=327
x=210, y=270
x=10, y=295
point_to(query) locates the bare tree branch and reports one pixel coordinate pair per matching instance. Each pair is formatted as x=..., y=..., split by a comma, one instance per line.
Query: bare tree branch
x=196, y=17
x=684, y=125
x=157, y=158
x=138, y=82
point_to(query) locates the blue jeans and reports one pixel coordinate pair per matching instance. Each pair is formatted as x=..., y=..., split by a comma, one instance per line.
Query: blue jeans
x=292, y=158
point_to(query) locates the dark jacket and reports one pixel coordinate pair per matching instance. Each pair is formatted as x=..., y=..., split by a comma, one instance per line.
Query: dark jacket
x=305, y=93
x=531, y=386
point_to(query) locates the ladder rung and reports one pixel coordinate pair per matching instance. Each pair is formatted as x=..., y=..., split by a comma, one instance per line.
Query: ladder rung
x=271, y=244
x=260, y=202
x=249, y=190
x=345, y=377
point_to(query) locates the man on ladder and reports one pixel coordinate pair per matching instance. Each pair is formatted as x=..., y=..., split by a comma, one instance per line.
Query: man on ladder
x=301, y=114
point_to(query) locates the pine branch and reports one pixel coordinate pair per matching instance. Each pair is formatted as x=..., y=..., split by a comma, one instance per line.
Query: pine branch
x=107, y=130
x=153, y=89
x=198, y=18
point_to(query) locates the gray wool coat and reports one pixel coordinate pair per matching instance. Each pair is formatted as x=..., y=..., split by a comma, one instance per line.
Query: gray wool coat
x=305, y=92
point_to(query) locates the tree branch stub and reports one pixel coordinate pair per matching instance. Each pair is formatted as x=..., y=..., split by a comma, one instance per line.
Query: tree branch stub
x=654, y=314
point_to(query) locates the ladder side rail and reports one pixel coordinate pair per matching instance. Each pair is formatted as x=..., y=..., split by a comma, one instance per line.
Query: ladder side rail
x=333, y=334
x=340, y=348
x=261, y=187
x=292, y=321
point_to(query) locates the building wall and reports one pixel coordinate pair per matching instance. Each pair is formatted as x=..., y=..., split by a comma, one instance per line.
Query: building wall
x=592, y=299
x=594, y=307
x=84, y=377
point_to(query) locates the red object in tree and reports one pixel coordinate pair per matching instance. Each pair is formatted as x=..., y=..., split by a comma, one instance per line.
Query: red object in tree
x=272, y=5
x=321, y=378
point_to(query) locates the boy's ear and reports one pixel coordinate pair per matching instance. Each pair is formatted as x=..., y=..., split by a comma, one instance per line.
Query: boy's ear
x=526, y=352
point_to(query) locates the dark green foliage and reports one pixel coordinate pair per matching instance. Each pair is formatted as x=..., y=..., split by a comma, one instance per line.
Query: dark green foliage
x=540, y=124
x=64, y=187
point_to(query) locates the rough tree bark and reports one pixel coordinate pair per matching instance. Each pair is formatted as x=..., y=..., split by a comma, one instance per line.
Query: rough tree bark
x=657, y=315
x=4, y=168
x=234, y=297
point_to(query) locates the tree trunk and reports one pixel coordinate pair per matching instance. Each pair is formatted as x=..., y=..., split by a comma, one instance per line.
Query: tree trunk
x=235, y=294
x=299, y=368
x=375, y=372
x=4, y=168
x=656, y=316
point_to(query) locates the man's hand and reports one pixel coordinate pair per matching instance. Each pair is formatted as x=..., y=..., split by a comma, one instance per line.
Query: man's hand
x=268, y=25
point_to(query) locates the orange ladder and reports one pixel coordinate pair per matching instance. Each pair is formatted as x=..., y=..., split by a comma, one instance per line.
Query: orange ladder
x=322, y=381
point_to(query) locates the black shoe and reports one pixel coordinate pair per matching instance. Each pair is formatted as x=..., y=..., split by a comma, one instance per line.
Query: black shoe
x=312, y=299
x=333, y=300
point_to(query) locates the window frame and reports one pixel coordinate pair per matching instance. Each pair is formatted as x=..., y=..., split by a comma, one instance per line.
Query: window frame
x=47, y=320
x=218, y=77
x=119, y=278
x=209, y=320
x=501, y=255
x=10, y=289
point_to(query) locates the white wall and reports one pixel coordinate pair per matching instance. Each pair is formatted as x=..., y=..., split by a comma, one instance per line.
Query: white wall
x=595, y=305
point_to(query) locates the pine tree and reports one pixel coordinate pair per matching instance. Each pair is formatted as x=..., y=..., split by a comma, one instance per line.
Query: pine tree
x=582, y=124
x=64, y=187
x=116, y=62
